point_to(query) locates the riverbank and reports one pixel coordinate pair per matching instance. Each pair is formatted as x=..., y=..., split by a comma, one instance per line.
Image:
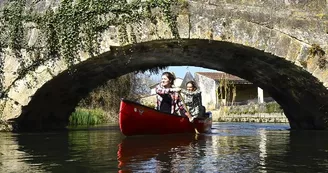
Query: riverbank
x=218, y=116
x=259, y=113
x=265, y=113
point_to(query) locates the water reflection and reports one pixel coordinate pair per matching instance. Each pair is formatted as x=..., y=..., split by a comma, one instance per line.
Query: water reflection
x=79, y=150
x=232, y=147
x=158, y=153
x=12, y=159
x=201, y=153
x=303, y=151
x=262, y=150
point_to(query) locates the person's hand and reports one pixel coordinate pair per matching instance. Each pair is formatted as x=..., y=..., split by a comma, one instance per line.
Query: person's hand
x=176, y=89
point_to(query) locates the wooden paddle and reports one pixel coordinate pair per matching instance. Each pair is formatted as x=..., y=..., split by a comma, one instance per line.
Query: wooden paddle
x=186, y=108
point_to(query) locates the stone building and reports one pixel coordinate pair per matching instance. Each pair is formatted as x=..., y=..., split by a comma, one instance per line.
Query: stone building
x=219, y=88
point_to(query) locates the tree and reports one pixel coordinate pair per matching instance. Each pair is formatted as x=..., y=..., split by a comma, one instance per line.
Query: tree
x=131, y=86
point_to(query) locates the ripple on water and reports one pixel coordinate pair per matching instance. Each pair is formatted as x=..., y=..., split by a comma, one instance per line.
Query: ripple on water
x=231, y=147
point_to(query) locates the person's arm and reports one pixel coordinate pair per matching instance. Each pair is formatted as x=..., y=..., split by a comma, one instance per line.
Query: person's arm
x=183, y=110
x=162, y=90
x=192, y=93
x=181, y=106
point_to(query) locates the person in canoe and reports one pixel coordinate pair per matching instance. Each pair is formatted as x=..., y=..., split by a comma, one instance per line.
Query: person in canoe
x=193, y=100
x=168, y=99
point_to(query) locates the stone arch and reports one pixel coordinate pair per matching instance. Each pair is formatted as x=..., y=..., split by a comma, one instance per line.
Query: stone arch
x=287, y=34
x=293, y=88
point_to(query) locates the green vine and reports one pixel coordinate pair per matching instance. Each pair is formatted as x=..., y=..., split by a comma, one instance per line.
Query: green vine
x=1, y=76
x=2, y=29
x=76, y=25
x=171, y=18
x=13, y=17
x=11, y=36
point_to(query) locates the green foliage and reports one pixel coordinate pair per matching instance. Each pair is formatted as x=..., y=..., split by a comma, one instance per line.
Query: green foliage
x=316, y=50
x=12, y=20
x=12, y=31
x=108, y=96
x=83, y=116
x=273, y=107
x=226, y=90
x=303, y=63
x=77, y=25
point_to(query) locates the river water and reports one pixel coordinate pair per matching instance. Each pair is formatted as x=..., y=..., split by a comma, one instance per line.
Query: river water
x=231, y=147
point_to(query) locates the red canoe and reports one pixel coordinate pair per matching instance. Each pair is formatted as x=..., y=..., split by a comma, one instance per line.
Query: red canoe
x=137, y=119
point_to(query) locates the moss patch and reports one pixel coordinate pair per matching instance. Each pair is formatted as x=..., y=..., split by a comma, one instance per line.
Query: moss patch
x=316, y=50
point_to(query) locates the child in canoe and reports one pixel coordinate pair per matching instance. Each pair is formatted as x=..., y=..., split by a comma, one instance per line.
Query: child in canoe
x=193, y=100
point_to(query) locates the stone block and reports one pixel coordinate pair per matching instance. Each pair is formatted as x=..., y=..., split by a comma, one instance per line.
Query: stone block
x=321, y=74
x=221, y=30
x=33, y=37
x=326, y=84
x=56, y=67
x=183, y=26
x=243, y=32
x=303, y=55
x=26, y=87
x=2, y=105
x=312, y=63
x=12, y=109
x=282, y=45
x=11, y=65
x=109, y=38
x=293, y=50
x=261, y=37
x=163, y=29
x=201, y=25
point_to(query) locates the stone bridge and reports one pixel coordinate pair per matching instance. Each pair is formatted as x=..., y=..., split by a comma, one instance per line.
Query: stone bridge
x=53, y=53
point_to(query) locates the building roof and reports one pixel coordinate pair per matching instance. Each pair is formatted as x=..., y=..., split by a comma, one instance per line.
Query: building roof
x=221, y=75
x=188, y=77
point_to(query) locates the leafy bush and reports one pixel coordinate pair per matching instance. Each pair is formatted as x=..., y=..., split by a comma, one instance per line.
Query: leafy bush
x=84, y=116
x=273, y=107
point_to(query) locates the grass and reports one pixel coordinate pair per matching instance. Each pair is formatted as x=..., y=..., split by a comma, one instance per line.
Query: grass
x=83, y=116
x=273, y=108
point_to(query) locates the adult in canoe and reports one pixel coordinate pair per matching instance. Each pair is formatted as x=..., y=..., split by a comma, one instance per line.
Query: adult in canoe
x=168, y=99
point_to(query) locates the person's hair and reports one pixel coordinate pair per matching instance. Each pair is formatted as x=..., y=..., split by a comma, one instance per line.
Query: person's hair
x=170, y=76
x=193, y=83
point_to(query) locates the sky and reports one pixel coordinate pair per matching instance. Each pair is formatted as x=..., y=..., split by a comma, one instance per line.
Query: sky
x=180, y=71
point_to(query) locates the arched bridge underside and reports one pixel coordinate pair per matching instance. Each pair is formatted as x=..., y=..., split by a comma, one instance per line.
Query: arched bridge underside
x=279, y=46
x=303, y=98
